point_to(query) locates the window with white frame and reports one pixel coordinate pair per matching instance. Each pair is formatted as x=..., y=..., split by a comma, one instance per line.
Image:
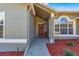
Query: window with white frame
x=1, y=24
x=64, y=26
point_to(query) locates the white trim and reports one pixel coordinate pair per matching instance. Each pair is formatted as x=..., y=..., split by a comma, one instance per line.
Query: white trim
x=66, y=35
x=33, y=8
x=74, y=27
x=28, y=28
x=13, y=41
x=29, y=9
x=67, y=10
x=27, y=46
x=4, y=25
x=25, y=52
x=3, y=15
x=67, y=26
x=75, y=18
x=51, y=29
x=64, y=16
x=59, y=28
x=42, y=7
x=53, y=40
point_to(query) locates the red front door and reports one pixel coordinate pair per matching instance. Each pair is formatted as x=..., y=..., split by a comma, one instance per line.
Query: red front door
x=41, y=30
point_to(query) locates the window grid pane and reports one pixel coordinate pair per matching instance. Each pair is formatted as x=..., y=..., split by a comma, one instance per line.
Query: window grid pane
x=70, y=27
x=64, y=26
x=1, y=24
x=56, y=27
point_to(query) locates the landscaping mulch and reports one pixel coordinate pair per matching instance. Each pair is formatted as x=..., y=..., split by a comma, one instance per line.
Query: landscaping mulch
x=57, y=48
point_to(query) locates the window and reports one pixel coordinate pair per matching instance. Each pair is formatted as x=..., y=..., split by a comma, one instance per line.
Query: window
x=1, y=24
x=56, y=27
x=64, y=26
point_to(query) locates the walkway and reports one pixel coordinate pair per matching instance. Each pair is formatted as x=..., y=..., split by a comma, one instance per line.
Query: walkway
x=38, y=48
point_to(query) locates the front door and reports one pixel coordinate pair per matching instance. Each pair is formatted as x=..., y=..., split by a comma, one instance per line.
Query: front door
x=41, y=30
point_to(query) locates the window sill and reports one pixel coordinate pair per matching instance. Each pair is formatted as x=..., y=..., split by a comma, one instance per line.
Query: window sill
x=67, y=35
x=13, y=40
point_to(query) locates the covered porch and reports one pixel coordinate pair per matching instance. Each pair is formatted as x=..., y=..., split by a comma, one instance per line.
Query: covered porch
x=56, y=25
x=44, y=22
x=40, y=31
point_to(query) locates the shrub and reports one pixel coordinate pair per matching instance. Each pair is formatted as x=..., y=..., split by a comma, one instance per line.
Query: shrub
x=67, y=52
x=70, y=44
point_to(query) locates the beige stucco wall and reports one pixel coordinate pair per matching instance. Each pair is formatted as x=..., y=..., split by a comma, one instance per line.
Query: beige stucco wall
x=15, y=26
x=32, y=30
x=15, y=20
x=77, y=26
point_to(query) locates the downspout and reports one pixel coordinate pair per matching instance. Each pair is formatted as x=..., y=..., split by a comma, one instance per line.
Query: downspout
x=27, y=46
x=28, y=43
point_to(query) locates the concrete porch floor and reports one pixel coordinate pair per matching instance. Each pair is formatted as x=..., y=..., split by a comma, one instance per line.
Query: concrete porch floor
x=38, y=48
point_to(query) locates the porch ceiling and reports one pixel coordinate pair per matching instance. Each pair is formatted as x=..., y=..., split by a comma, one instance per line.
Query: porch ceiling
x=41, y=13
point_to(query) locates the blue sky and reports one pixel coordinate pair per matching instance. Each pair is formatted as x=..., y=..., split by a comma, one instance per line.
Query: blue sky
x=64, y=6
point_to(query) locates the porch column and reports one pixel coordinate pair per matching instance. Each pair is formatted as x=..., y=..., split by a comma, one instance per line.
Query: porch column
x=51, y=28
